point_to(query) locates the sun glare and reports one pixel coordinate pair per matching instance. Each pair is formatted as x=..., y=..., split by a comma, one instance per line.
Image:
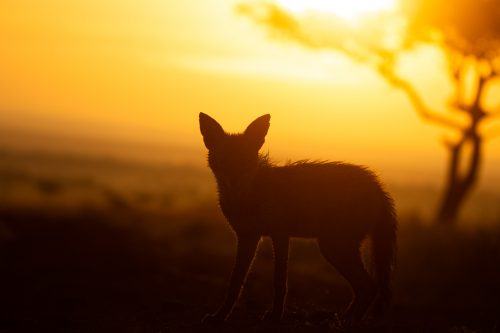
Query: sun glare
x=348, y=10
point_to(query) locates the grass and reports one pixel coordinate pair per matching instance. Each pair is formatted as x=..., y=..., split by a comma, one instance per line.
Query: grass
x=98, y=247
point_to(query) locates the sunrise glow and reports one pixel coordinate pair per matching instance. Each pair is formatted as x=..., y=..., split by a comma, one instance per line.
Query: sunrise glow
x=349, y=10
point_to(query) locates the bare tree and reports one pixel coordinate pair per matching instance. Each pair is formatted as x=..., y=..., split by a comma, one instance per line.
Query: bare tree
x=466, y=31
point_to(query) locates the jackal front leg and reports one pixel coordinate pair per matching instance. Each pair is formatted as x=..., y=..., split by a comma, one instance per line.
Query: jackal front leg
x=280, y=245
x=247, y=244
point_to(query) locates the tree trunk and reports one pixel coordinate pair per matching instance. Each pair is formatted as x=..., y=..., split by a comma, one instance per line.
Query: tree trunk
x=458, y=186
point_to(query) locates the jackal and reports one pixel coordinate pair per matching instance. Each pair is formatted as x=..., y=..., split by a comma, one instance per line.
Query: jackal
x=337, y=203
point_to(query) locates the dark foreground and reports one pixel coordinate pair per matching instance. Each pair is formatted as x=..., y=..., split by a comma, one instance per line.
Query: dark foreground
x=91, y=270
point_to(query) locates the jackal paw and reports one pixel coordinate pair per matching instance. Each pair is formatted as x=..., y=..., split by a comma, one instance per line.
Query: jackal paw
x=272, y=316
x=213, y=319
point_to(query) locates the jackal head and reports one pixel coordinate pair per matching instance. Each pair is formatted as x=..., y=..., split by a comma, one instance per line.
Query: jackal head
x=233, y=158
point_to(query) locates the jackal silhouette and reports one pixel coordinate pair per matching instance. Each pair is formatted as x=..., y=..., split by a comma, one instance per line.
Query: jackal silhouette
x=337, y=203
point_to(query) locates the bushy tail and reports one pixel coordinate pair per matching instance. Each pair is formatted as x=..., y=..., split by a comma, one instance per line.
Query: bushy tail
x=384, y=257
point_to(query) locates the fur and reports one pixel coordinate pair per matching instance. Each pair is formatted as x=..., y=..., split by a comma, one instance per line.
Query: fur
x=339, y=204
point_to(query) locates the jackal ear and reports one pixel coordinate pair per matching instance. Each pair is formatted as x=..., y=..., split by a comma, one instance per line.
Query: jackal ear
x=257, y=130
x=211, y=130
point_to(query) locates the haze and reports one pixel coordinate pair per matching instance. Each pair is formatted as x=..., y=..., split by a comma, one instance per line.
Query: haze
x=140, y=72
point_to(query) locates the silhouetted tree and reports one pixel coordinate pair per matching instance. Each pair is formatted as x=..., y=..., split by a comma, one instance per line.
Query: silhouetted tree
x=467, y=32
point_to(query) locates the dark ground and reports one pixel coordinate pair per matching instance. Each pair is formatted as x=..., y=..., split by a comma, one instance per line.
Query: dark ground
x=102, y=270
x=99, y=245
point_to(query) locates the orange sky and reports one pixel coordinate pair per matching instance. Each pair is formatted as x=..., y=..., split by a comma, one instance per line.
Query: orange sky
x=140, y=71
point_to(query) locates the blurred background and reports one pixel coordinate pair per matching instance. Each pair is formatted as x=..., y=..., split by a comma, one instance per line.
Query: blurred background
x=108, y=213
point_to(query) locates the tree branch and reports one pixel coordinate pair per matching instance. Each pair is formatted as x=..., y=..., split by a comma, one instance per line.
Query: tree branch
x=471, y=175
x=455, y=149
x=384, y=63
x=494, y=114
x=459, y=106
x=272, y=16
x=456, y=68
x=419, y=105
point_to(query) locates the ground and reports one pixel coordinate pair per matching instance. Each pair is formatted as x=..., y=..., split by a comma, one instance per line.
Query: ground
x=102, y=271
x=98, y=245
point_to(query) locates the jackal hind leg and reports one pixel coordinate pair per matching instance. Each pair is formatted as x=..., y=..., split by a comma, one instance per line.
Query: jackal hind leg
x=346, y=258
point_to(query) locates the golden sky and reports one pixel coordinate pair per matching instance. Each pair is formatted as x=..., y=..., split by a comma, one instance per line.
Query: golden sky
x=141, y=71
